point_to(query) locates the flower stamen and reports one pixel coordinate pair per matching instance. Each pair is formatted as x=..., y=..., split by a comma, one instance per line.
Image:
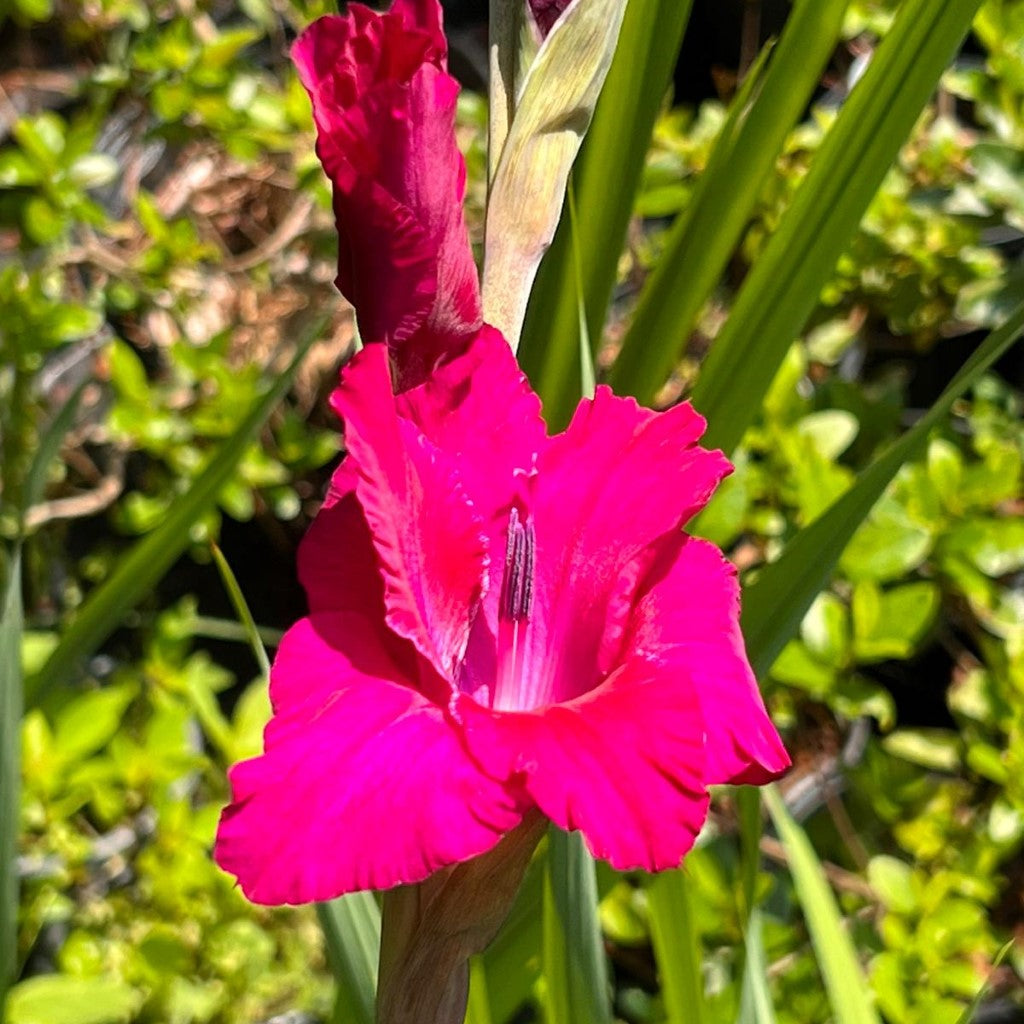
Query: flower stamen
x=520, y=558
x=514, y=610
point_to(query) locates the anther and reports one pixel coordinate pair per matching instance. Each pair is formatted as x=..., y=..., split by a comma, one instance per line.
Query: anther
x=520, y=557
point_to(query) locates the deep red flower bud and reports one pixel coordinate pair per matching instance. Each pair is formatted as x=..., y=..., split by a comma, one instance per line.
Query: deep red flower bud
x=547, y=12
x=384, y=107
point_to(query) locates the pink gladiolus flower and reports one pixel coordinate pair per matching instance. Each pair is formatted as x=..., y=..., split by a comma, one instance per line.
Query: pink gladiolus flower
x=500, y=621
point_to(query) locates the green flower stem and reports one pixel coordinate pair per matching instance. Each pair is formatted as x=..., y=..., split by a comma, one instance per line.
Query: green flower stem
x=430, y=930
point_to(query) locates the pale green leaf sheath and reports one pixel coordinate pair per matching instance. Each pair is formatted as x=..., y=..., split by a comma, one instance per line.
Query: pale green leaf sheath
x=552, y=114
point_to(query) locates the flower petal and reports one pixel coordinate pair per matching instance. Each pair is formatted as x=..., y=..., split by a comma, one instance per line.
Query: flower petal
x=479, y=407
x=618, y=479
x=429, y=540
x=624, y=763
x=384, y=107
x=426, y=16
x=688, y=616
x=364, y=783
x=338, y=565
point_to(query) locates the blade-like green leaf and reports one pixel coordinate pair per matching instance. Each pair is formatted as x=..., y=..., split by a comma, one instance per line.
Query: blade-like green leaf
x=705, y=236
x=748, y=810
x=676, y=947
x=784, y=284
x=605, y=180
x=49, y=446
x=755, y=1000
x=775, y=603
x=479, y=1009
x=10, y=770
x=575, y=969
x=241, y=606
x=968, y=1015
x=588, y=381
x=351, y=927
x=138, y=571
x=847, y=987
x=12, y=696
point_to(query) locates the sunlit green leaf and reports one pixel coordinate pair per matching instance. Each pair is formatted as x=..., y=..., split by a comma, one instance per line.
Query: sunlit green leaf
x=351, y=926
x=676, y=947
x=708, y=232
x=63, y=999
x=837, y=958
x=575, y=970
x=755, y=1000
x=10, y=767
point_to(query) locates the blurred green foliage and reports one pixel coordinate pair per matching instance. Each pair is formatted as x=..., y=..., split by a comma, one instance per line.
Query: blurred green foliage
x=122, y=788
x=163, y=224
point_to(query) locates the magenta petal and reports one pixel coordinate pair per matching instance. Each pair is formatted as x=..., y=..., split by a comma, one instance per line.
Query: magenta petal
x=338, y=564
x=384, y=108
x=364, y=783
x=689, y=618
x=619, y=478
x=623, y=764
x=429, y=540
x=479, y=408
x=616, y=450
x=426, y=16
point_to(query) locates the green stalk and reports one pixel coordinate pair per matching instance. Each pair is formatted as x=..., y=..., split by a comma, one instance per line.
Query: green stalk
x=748, y=810
x=241, y=606
x=503, y=58
x=10, y=770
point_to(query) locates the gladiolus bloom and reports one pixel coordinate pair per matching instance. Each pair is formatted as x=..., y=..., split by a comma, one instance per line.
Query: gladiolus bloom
x=500, y=621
